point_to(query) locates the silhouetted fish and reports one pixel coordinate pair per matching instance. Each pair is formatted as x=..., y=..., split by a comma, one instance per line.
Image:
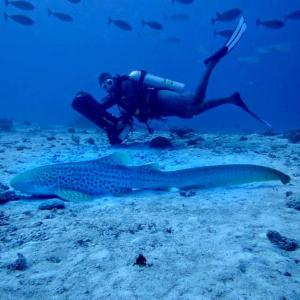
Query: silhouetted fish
x=25, y=5
x=180, y=17
x=153, y=25
x=273, y=24
x=293, y=16
x=227, y=16
x=250, y=59
x=227, y=33
x=120, y=23
x=183, y=1
x=172, y=40
x=60, y=16
x=21, y=19
x=74, y=1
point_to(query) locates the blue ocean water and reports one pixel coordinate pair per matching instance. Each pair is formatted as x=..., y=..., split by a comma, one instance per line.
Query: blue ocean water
x=45, y=64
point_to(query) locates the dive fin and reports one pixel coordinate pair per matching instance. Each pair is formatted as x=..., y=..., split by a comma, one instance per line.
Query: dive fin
x=72, y=195
x=239, y=102
x=232, y=41
x=236, y=36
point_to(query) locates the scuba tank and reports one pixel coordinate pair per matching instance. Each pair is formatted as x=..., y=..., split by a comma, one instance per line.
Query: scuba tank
x=143, y=77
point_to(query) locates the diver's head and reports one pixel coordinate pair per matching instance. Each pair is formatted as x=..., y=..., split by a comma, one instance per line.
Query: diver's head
x=107, y=81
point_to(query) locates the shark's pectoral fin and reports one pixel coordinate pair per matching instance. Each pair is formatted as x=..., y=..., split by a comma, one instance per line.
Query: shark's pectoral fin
x=72, y=195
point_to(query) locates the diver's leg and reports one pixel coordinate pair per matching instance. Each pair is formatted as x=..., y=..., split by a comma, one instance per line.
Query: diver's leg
x=234, y=99
x=212, y=61
x=200, y=92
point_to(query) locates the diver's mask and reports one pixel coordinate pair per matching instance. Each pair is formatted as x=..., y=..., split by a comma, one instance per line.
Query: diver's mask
x=108, y=84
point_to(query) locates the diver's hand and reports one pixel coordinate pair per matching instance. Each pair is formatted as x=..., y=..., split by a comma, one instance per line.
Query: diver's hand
x=81, y=94
x=120, y=124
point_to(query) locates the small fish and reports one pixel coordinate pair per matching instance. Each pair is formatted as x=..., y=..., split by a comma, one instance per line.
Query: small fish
x=21, y=19
x=24, y=5
x=172, y=40
x=180, y=17
x=183, y=1
x=60, y=16
x=227, y=33
x=273, y=24
x=120, y=23
x=227, y=16
x=153, y=25
x=293, y=16
x=250, y=59
x=113, y=175
x=74, y=1
x=281, y=47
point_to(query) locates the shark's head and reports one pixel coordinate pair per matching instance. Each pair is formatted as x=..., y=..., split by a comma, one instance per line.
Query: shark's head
x=30, y=182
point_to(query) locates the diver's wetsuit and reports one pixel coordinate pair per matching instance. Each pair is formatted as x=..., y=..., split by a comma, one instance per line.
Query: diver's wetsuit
x=137, y=101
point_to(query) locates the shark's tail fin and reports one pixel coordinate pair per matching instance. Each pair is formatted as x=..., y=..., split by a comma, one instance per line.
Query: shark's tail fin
x=222, y=175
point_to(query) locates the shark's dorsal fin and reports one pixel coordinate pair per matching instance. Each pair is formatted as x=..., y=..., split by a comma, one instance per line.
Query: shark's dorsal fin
x=118, y=158
x=72, y=195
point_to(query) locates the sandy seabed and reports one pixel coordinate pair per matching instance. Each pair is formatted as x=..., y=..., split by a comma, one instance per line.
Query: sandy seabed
x=207, y=244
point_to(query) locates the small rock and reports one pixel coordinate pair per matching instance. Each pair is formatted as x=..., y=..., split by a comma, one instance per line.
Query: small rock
x=293, y=136
x=168, y=230
x=19, y=264
x=3, y=187
x=243, y=138
x=160, y=142
x=53, y=259
x=51, y=138
x=288, y=193
x=141, y=261
x=294, y=203
x=6, y=124
x=270, y=133
x=188, y=193
x=3, y=219
x=182, y=132
x=76, y=139
x=71, y=130
x=195, y=141
x=282, y=242
x=90, y=141
x=52, y=204
x=8, y=196
x=21, y=148
x=83, y=242
x=242, y=266
x=288, y=274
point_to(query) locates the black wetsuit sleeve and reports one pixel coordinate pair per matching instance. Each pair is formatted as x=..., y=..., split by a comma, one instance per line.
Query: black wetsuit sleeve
x=130, y=99
x=107, y=102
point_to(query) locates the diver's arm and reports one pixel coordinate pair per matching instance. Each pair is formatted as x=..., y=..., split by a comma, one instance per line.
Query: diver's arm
x=107, y=102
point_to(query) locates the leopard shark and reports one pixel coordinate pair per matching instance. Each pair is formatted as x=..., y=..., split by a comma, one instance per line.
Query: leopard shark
x=112, y=174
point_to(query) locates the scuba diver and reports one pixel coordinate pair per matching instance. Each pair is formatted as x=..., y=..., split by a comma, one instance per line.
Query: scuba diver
x=144, y=96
